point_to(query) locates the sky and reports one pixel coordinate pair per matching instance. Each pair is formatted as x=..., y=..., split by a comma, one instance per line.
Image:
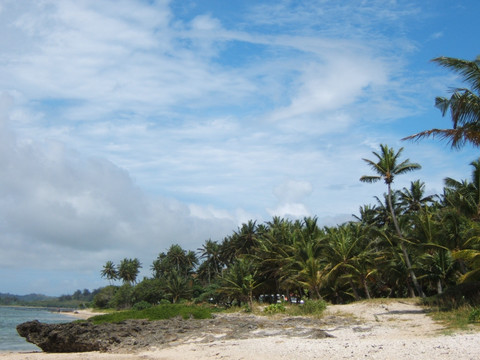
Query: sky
x=129, y=126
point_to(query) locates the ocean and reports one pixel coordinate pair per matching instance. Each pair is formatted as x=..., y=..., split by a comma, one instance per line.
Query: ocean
x=10, y=317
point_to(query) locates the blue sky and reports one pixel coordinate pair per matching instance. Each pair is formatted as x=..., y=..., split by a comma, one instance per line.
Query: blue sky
x=127, y=126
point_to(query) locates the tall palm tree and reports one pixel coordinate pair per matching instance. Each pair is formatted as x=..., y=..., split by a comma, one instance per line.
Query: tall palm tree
x=109, y=271
x=246, y=237
x=128, y=270
x=387, y=167
x=464, y=105
x=210, y=251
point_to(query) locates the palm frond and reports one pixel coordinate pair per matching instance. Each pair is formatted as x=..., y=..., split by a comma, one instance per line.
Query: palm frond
x=469, y=70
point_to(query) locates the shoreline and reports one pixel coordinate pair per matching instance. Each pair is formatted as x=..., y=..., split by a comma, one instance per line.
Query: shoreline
x=82, y=314
x=373, y=330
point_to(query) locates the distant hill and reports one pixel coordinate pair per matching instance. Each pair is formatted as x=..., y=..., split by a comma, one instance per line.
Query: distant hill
x=11, y=299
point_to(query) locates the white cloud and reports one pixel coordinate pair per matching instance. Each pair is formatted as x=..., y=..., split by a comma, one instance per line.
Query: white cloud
x=61, y=210
x=290, y=195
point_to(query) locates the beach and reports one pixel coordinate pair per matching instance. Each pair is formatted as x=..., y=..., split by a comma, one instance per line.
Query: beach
x=368, y=330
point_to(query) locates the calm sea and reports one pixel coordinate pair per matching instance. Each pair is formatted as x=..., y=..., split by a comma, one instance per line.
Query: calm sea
x=10, y=317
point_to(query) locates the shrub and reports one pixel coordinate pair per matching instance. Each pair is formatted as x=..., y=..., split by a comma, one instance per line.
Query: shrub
x=454, y=297
x=104, y=297
x=474, y=315
x=310, y=307
x=142, y=305
x=149, y=290
x=123, y=297
x=274, y=309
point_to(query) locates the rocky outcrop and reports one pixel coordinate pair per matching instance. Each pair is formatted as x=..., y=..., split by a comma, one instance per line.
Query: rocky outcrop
x=71, y=337
x=135, y=335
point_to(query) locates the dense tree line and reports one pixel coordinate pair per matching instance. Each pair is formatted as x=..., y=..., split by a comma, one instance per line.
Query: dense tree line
x=407, y=243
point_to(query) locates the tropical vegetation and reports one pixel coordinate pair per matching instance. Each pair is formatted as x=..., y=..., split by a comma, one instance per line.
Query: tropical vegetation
x=407, y=243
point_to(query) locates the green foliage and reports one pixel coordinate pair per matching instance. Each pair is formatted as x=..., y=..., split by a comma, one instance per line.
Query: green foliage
x=474, y=316
x=159, y=312
x=78, y=300
x=407, y=244
x=274, y=309
x=128, y=270
x=454, y=319
x=142, y=305
x=123, y=297
x=103, y=299
x=310, y=307
x=148, y=290
x=239, y=281
x=466, y=294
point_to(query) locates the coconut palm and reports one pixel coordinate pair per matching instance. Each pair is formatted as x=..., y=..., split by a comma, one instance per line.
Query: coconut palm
x=176, y=286
x=465, y=195
x=211, y=267
x=109, y=271
x=128, y=270
x=386, y=168
x=350, y=256
x=246, y=237
x=464, y=105
x=239, y=281
x=308, y=265
x=413, y=199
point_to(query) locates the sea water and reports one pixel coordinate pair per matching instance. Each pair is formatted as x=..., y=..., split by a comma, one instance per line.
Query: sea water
x=10, y=317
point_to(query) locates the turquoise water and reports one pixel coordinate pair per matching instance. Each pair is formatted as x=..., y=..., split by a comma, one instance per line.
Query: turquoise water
x=10, y=317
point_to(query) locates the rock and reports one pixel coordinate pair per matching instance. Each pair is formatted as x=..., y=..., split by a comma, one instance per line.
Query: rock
x=137, y=335
x=61, y=338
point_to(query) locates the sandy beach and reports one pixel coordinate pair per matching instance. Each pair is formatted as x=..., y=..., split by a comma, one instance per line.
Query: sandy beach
x=380, y=330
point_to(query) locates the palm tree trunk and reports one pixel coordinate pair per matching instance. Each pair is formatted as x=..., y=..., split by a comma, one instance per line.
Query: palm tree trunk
x=402, y=245
x=365, y=286
x=355, y=293
x=439, y=286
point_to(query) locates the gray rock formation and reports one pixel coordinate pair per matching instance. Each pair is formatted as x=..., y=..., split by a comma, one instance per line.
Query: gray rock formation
x=137, y=335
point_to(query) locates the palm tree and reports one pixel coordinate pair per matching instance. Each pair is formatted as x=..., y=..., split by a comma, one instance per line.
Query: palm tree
x=349, y=256
x=465, y=195
x=239, y=281
x=464, y=105
x=309, y=266
x=246, y=237
x=109, y=271
x=128, y=270
x=367, y=215
x=387, y=167
x=413, y=199
x=176, y=286
x=210, y=251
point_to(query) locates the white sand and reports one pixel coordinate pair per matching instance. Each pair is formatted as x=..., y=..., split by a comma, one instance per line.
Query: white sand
x=82, y=314
x=388, y=330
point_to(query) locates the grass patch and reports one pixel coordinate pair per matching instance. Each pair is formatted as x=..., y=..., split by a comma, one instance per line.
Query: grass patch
x=458, y=296
x=159, y=312
x=309, y=308
x=455, y=319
